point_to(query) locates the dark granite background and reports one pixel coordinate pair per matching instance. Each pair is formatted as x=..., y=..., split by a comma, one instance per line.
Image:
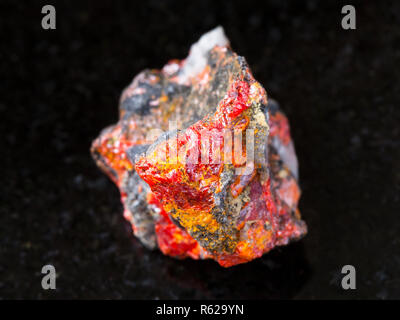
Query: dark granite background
x=59, y=88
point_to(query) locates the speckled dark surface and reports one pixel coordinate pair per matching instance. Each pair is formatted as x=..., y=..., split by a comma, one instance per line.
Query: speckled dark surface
x=59, y=88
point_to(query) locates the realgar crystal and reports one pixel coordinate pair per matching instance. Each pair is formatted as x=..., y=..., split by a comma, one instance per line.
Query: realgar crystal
x=204, y=161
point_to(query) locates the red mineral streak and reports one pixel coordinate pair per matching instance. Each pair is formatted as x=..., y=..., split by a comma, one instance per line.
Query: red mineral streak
x=280, y=127
x=171, y=239
x=190, y=185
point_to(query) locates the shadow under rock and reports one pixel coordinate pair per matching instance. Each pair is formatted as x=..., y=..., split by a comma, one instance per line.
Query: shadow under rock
x=280, y=274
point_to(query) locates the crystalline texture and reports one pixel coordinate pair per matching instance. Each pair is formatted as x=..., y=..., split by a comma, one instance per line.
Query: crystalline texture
x=186, y=194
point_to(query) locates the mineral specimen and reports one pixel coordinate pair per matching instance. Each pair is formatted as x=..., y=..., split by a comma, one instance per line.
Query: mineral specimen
x=204, y=163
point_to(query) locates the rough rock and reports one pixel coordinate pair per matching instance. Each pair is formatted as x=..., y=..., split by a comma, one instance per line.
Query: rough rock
x=204, y=161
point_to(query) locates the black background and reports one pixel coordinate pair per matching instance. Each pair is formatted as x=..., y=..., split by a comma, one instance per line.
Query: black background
x=59, y=88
